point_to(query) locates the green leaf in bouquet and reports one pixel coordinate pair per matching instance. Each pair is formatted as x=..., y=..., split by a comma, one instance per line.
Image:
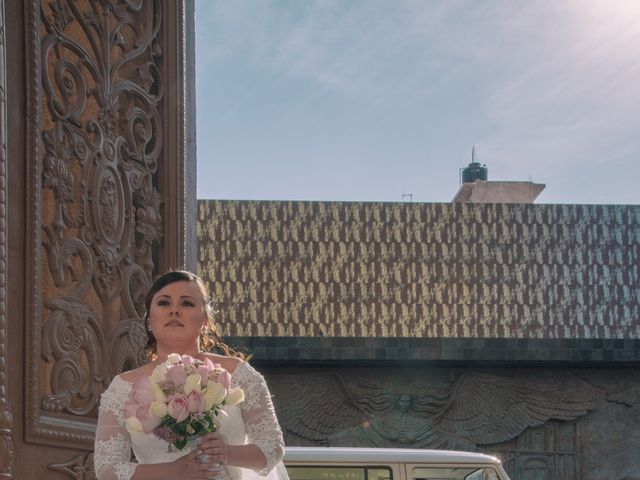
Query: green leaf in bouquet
x=180, y=444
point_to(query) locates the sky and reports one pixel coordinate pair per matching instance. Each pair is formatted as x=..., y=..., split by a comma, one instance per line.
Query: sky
x=383, y=100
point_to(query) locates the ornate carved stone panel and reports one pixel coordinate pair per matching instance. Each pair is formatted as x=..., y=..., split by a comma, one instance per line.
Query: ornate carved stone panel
x=99, y=167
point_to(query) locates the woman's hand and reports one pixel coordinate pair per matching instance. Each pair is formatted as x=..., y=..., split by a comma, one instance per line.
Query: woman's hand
x=196, y=465
x=214, y=450
x=214, y=446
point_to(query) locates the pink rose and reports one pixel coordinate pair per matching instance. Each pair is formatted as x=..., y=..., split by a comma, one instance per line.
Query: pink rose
x=204, y=369
x=141, y=391
x=148, y=420
x=195, y=402
x=176, y=374
x=224, y=378
x=203, y=372
x=187, y=360
x=178, y=407
x=130, y=408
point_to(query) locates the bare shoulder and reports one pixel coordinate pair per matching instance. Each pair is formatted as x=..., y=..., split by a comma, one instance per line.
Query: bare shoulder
x=134, y=375
x=228, y=363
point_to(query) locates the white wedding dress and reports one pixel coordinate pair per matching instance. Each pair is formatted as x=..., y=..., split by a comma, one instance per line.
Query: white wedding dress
x=252, y=421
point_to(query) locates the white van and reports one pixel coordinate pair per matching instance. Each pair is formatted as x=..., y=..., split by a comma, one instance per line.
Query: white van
x=337, y=463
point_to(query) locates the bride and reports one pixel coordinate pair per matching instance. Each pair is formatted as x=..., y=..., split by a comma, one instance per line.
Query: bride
x=248, y=441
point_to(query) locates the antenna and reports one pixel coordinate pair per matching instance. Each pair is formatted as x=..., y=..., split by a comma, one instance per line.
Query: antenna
x=474, y=158
x=407, y=195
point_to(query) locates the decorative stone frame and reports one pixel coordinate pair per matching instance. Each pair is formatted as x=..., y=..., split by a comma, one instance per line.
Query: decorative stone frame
x=6, y=420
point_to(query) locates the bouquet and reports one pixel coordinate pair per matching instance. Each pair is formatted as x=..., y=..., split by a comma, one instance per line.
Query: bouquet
x=180, y=399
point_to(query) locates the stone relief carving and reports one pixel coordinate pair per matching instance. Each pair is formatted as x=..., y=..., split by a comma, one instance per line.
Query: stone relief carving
x=464, y=411
x=550, y=451
x=96, y=205
x=620, y=386
x=127, y=346
x=558, y=424
x=7, y=453
x=72, y=329
x=6, y=418
x=79, y=467
x=611, y=439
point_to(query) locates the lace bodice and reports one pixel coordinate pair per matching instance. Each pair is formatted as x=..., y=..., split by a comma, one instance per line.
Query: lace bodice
x=252, y=421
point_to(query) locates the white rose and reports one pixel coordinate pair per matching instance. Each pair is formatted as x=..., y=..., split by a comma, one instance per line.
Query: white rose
x=174, y=358
x=158, y=393
x=158, y=409
x=159, y=373
x=234, y=397
x=214, y=395
x=132, y=424
x=191, y=383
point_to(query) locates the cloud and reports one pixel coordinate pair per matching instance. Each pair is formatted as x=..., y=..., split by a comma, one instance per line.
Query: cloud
x=551, y=85
x=361, y=48
x=575, y=99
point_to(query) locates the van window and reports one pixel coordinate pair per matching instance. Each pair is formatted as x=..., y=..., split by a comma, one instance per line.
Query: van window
x=455, y=473
x=301, y=472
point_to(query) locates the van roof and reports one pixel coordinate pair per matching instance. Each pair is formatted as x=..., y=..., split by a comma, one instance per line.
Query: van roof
x=383, y=455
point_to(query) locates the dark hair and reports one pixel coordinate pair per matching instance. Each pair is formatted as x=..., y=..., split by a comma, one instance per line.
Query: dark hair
x=209, y=339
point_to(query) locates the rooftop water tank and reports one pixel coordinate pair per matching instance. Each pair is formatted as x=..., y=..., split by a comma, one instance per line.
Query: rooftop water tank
x=474, y=171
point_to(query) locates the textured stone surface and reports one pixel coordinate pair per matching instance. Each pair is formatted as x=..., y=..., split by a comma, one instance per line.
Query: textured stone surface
x=422, y=270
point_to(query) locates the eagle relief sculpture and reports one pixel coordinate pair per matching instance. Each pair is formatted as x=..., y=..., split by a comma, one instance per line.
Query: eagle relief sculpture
x=450, y=411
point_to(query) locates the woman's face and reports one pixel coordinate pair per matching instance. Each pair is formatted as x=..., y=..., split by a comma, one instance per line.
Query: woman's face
x=177, y=316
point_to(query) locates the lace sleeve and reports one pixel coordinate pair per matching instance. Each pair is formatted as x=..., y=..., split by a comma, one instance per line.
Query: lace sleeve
x=259, y=416
x=112, y=449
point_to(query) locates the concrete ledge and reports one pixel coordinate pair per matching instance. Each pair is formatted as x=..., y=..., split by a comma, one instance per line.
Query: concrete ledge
x=498, y=192
x=442, y=351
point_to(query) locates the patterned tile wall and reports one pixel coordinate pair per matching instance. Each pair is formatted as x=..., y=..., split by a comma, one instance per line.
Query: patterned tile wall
x=422, y=269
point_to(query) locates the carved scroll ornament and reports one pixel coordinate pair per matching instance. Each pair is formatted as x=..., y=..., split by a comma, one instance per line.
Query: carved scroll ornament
x=79, y=467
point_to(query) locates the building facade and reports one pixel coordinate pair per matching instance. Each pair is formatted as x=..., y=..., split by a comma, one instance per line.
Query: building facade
x=507, y=328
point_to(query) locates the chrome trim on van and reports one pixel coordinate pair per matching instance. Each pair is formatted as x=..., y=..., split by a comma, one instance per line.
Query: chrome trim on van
x=376, y=456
